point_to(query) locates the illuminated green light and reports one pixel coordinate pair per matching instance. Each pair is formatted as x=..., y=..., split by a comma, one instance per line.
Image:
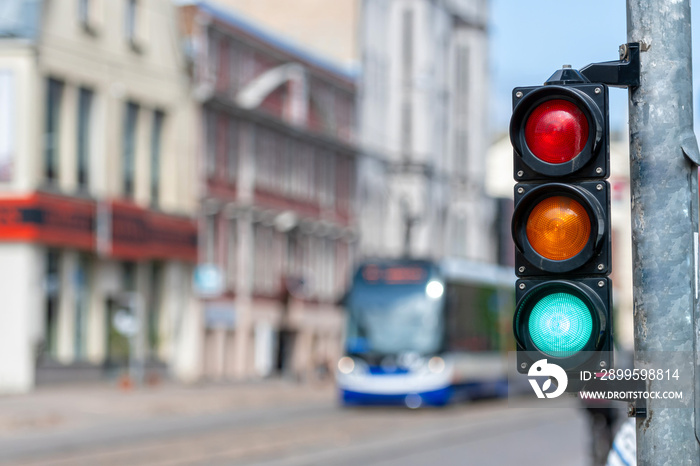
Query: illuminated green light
x=560, y=324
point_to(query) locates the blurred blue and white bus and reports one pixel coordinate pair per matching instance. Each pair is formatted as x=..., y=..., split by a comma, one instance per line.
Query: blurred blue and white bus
x=424, y=333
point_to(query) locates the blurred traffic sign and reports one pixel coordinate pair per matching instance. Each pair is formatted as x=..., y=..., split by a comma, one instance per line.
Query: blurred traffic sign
x=208, y=280
x=126, y=323
x=220, y=315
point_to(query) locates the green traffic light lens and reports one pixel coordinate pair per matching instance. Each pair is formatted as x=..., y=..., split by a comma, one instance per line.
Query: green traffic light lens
x=560, y=324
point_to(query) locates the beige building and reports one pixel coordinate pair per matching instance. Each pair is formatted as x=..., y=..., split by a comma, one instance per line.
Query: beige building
x=327, y=27
x=96, y=191
x=277, y=178
x=421, y=115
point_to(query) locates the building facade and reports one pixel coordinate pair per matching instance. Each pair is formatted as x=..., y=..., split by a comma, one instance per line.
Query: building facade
x=277, y=171
x=328, y=28
x=422, y=105
x=98, y=239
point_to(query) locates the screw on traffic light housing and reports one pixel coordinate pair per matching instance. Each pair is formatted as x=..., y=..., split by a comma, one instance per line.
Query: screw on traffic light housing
x=561, y=223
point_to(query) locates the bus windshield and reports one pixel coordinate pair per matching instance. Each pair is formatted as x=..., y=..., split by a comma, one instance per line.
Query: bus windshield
x=394, y=319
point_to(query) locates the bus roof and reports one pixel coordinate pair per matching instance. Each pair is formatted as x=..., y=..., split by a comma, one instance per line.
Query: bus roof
x=464, y=270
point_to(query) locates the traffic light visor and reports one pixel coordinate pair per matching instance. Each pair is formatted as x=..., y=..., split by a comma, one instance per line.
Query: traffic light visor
x=558, y=228
x=556, y=131
x=560, y=324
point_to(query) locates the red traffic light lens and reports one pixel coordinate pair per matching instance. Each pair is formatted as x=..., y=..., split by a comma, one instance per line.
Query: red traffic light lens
x=558, y=228
x=556, y=131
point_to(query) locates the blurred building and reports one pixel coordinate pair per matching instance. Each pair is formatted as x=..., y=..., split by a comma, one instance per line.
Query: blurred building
x=277, y=165
x=96, y=190
x=422, y=116
x=422, y=106
x=327, y=27
x=621, y=217
x=499, y=185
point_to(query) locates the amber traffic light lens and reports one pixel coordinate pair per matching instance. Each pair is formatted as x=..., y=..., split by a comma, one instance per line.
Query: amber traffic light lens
x=556, y=131
x=558, y=228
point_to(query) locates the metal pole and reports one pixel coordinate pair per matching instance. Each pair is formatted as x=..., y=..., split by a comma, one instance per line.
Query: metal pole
x=139, y=310
x=663, y=174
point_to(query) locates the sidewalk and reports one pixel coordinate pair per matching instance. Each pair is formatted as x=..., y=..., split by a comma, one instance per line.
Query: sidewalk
x=53, y=409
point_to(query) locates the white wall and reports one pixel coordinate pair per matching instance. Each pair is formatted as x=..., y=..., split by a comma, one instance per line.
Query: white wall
x=442, y=186
x=187, y=329
x=22, y=289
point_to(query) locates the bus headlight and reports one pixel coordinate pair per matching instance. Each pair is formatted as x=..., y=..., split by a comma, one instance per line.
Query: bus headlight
x=434, y=289
x=346, y=365
x=436, y=364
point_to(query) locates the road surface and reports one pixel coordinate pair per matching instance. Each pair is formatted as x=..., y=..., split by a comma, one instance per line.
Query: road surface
x=276, y=424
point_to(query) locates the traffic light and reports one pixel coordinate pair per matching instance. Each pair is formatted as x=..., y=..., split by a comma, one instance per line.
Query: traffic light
x=561, y=223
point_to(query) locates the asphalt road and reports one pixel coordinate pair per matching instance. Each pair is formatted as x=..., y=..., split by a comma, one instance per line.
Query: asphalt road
x=286, y=430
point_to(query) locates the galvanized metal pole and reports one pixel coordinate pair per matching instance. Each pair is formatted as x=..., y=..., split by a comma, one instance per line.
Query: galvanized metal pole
x=663, y=171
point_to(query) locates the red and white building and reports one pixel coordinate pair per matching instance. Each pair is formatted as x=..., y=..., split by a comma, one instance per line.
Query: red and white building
x=277, y=170
x=97, y=209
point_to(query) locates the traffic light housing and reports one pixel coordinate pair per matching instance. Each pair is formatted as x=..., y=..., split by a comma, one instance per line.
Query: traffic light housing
x=561, y=223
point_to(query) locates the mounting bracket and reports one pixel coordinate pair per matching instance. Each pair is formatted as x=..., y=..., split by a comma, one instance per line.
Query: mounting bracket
x=624, y=72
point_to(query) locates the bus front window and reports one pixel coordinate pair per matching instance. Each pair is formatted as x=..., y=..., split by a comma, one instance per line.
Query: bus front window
x=391, y=320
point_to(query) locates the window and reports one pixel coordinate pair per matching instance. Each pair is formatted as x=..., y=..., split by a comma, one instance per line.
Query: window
x=293, y=168
x=407, y=45
x=318, y=163
x=210, y=238
x=327, y=267
x=131, y=24
x=264, y=252
x=222, y=140
x=129, y=148
x=285, y=165
x=90, y=15
x=234, y=63
x=309, y=183
x=54, y=93
x=210, y=123
x=461, y=78
x=325, y=177
x=344, y=117
x=129, y=276
x=52, y=286
x=213, y=52
x=342, y=186
x=82, y=306
x=246, y=66
x=461, y=107
x=155, y=299
x=84, y=13
x=232, y=262
x=130, y=20
x=8, y=138
x=406, y=127
x=232, y=159
x=223, y=69
x=325, y=99
x=84, y=136
x=263, y=157
x=156, y=144
x=407, y=73
x=342, y=267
